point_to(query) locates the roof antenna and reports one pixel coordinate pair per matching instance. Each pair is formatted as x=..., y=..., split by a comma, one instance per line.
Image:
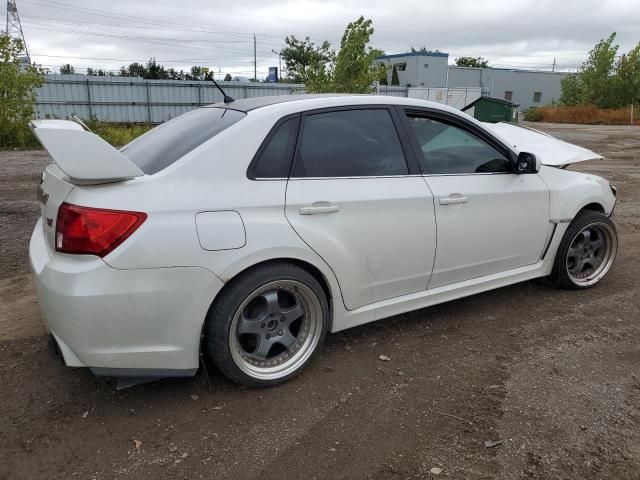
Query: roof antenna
x=227, y=98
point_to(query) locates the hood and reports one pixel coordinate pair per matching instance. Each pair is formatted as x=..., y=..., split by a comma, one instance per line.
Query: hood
x=549, y=150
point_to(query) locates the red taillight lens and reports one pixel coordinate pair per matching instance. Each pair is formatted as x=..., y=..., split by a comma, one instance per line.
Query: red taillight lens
x=94, y=231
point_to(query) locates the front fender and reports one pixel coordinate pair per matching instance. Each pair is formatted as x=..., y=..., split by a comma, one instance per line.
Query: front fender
x=569, y=192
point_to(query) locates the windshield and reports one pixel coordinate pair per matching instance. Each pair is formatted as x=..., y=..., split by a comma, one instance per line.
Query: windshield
x=172, y=140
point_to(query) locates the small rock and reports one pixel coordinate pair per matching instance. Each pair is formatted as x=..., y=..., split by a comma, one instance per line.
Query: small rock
x=194, y=397
x=348, y=348
x=332, y=449
x=401, y=373
x=137, y=443
x=184, y=455
x=436, y=470
x=327, y=368
x=85, y=414
x=173, y=449
x=217, y=407
x=493, y=443
x=582, y=427
x=384, y=358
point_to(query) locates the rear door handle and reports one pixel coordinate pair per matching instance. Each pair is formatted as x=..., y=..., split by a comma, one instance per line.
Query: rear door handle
x=319, y=207
x=453, y=199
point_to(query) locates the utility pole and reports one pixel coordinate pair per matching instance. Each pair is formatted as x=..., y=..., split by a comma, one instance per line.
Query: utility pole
x=553, y=69
x=255, y=61
x=14, y=28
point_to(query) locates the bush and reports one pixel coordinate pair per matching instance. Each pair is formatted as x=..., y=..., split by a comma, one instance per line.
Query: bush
x=18, y=85
x=582, y=114
x=118, y=134
x=533, y=114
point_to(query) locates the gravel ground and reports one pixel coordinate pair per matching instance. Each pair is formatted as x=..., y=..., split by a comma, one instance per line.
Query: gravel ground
x=553, y=375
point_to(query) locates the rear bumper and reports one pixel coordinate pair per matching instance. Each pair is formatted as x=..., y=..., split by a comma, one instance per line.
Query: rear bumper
x=109, y=319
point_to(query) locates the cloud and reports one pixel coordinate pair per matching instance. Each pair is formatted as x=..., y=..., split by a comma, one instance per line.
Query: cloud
x=527, y=33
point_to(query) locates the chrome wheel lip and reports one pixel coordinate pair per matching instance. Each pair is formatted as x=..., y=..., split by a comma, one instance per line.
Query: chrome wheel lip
x=608, y=234
x=313, y=322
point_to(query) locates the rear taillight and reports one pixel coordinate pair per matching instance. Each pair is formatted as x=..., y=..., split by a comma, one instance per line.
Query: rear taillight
x=94, y=231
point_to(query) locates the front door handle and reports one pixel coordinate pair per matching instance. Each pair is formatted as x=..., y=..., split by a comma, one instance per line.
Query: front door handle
x=319, y=207
x=453, y=199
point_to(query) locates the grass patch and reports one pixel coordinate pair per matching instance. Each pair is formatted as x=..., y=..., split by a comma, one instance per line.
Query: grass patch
x=583, y=114
x=117, y=134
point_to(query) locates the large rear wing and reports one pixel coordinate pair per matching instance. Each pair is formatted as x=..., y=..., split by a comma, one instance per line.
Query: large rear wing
x=83, y=156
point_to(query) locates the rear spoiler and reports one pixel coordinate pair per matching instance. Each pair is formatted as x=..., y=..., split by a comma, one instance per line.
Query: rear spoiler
x=83, y=156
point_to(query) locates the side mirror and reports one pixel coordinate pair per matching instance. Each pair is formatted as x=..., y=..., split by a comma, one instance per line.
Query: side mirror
x=527, y=163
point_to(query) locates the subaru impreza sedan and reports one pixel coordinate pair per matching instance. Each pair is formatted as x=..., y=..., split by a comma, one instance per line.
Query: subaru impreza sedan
x=247, y=230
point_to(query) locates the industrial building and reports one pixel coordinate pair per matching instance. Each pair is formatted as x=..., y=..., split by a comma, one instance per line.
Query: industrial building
x=527, y=88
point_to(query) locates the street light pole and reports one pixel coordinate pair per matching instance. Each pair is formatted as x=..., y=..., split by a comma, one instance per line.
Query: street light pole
x=279, y=62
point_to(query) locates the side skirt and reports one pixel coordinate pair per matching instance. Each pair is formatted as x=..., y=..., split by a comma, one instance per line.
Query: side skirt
x=344, y=319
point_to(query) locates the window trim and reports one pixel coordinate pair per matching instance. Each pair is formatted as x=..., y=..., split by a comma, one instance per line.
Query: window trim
x=539, y=95
x=461, y=123
x=267, y=140
x=412, y=170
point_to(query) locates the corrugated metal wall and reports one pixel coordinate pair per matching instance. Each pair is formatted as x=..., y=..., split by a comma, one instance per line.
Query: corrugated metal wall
x=132, y=99
x=392, y=91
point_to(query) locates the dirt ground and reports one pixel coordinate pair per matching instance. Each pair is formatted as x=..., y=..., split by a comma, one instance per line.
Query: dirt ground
x=554, y=375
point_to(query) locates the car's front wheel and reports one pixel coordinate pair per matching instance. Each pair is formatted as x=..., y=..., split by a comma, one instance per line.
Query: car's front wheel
x=586, y=252
x=267, y=324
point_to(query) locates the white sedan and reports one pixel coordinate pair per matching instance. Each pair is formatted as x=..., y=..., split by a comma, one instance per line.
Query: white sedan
x=247, y=230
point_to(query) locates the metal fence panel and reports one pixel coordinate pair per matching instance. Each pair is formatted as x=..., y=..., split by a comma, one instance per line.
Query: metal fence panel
x=133, y=99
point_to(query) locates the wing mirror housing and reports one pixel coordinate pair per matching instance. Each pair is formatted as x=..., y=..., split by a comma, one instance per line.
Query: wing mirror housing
x=527, y=163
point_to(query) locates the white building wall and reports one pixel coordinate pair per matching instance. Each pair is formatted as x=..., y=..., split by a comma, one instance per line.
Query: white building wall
x=422, y=69
x=522, y=83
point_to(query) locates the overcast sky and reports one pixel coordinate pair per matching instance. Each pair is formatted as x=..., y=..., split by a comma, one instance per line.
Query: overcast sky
x=219, y=34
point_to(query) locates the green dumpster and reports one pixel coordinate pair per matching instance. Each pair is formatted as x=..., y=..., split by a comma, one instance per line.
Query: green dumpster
x=493, y=110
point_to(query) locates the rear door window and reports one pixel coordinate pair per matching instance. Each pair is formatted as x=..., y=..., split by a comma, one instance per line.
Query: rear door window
x=350, y=143
x=274, y=158
x=160, y=147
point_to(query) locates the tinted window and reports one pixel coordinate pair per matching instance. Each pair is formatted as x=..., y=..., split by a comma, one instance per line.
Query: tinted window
x=172, y=140
x=350, y=143
x=275, y=158
x=447, y=149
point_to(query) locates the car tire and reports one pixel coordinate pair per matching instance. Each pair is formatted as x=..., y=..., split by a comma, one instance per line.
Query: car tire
x=586, y=252
x=267, y=324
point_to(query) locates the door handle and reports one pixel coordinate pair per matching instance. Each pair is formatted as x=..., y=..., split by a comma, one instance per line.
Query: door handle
x=319, y=207
x=453, y=199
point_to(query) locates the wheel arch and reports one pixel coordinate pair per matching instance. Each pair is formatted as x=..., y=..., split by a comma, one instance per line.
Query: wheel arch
x=331, y=290
x=593, y=206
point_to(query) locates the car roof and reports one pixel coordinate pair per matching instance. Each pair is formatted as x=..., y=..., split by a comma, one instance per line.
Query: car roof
x=247, y=104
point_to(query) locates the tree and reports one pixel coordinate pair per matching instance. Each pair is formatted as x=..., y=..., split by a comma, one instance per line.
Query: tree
x=303, y=57
x=394, y=76
x=422, y=49
x=136, y=69
x=602, y=81
x=383, y=80
x=18, y=85
x=475, y=62
x=227, y=77
x=355, y=69
x=67, y=69
x=352, y=70
x=628, y=77
x=155, y=71
x=196, y=73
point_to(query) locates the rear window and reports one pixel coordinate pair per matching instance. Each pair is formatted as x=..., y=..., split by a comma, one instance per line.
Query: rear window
x=172, y=140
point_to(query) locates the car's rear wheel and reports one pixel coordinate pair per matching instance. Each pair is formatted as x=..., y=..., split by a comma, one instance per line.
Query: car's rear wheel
x=267, y=324
x=586, y=252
